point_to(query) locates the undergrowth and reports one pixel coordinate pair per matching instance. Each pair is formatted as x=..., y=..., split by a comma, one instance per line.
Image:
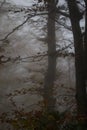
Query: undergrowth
x=40, y=120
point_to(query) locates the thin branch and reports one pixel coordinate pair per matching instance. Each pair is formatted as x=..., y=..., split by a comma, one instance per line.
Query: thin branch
x=30, y=16
x=62, y=13
x=16, y=28
x=64, y=25
x=34, y=58
x=43, y=55
x=64, y=48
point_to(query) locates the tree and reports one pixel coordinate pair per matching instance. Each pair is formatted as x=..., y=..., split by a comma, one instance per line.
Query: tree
x=50, y=76
x=75, y=17
x=85, y=41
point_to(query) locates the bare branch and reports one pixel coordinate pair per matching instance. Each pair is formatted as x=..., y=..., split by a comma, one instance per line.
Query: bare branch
x=64, y=25
x=16, y=28
x=62, y=13
x=35, y=58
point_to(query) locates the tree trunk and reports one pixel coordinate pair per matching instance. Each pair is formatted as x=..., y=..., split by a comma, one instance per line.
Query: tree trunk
x=79, y=60
x=50, y=76
x=85, y=41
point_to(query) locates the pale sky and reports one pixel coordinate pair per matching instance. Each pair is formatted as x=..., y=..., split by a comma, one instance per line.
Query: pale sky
x=22, y=2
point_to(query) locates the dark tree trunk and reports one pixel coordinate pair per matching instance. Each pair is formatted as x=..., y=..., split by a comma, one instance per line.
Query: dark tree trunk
x=85, y=41
x=79, y=59
x=50, y=76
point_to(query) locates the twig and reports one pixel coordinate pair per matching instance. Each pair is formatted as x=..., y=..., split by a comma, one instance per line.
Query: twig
x=62, y=13
x=64, y=25
x=16, y=28
x=40, y=56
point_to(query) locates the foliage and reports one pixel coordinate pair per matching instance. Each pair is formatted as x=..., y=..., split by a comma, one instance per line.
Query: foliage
x=41, y=120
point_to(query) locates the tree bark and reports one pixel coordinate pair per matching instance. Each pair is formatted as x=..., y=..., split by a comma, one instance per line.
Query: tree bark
x=85, y=41
x=79, y=60
x=50, y=76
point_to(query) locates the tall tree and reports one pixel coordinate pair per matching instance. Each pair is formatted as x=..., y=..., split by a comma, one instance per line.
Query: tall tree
x=50, y=76
x=75, y=17
x=85, y=41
